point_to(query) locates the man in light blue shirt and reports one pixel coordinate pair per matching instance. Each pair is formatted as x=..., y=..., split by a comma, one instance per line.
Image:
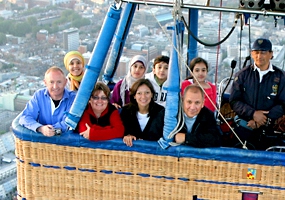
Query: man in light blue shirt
x=200, y=127
x=45, y=112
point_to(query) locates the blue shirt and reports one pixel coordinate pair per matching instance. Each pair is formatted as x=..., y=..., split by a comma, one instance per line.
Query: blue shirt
x=39, y=111
x=189, y=122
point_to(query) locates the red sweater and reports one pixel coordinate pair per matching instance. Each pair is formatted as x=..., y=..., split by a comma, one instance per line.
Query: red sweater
x=108, y=126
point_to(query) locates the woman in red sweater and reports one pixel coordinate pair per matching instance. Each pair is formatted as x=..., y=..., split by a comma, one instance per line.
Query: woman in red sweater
x=100, y=120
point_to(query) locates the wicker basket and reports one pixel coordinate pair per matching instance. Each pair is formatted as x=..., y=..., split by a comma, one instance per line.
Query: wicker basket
x=71, y=167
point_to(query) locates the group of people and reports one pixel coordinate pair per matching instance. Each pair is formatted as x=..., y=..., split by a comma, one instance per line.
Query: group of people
x=135, y=108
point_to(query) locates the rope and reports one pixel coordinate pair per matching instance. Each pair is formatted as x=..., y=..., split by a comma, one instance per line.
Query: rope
x=180, y=56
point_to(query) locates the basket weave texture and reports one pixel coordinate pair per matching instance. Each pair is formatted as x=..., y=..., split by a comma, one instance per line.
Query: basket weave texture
x=49, y=168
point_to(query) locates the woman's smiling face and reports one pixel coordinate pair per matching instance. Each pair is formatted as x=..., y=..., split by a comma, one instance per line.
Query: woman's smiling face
x=143, y=96
x=99, y=101
x=75, y=67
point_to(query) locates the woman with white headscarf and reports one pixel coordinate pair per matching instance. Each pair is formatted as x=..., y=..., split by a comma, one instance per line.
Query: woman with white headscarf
x=137, y=70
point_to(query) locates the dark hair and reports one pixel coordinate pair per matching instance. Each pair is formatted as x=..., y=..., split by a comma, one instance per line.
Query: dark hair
x=135, y=88
x=195, y=61
x=159, y=59
x=101, y=86
x=195, y=89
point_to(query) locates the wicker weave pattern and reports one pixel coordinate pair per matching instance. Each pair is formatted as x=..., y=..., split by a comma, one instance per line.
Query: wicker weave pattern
x=64, y=172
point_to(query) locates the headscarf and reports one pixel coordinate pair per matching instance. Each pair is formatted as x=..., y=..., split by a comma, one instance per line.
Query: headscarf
x=74, y=80
x=128, y=81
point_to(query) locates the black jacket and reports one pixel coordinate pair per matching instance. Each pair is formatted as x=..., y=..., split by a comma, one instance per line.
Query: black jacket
x=154, y=127
x=249, y=95
x=205, y=132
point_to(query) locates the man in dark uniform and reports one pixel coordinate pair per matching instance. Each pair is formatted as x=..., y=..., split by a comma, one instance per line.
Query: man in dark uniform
x=258, y=97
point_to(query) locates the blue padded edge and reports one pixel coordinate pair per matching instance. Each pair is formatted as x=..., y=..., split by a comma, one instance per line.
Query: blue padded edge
x=71, y=138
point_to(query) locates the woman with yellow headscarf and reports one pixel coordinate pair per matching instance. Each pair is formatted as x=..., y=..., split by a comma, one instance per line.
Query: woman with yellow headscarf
x=74, y=63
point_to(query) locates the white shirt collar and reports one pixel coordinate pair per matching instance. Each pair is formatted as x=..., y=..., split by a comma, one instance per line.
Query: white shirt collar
x=262, y=73
x=270, y=68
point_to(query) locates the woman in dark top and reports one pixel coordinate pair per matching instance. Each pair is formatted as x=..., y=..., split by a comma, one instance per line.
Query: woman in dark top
x=142, y=117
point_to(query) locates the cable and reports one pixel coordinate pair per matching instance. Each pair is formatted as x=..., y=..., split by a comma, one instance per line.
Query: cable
x=215, y=44
x=218, y=46
x=233, y=65
x=246, y=59
x=180, y=113
x=249, y=38
x=240, y=41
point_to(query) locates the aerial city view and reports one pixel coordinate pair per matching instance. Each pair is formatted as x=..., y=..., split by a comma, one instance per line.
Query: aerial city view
x=37, y=34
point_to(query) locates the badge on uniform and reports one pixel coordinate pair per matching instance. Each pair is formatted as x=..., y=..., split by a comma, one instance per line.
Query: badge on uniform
x=274, y=90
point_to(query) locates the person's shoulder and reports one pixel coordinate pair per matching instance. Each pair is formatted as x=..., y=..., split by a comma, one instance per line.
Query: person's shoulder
x=188, y=81
x=158, y=107
x=211, y=84
x=278, y=70
x=149, y=75
x=118, y=84
x=244, y=72
x=69, y=93
x=111, y=107
x=206, y=111
x=245, y=69
x=41, y=92
x=128, y=109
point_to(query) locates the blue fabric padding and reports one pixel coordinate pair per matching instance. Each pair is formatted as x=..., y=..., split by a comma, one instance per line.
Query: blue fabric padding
x=70, y=138
x=94, y=67
x=173, y=94
x=119, y=42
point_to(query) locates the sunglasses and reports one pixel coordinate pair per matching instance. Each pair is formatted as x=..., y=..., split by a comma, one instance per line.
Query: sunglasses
x=97, y=98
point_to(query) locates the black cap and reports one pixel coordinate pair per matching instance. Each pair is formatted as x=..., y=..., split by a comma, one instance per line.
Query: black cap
x=262, y=44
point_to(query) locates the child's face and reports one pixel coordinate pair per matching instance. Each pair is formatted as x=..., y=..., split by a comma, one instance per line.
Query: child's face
x=161, y=71
x=137, y=70
x=200, y=72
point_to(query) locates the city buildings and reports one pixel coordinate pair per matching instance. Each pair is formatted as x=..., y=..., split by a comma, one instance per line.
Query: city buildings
x=71, y=39
x=148, y=36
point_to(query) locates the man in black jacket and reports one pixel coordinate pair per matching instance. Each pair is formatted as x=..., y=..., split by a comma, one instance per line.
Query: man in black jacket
x=258, y=97
x=200, y=128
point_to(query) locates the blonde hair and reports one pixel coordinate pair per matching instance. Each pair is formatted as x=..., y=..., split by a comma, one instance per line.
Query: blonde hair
x=52, y=69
